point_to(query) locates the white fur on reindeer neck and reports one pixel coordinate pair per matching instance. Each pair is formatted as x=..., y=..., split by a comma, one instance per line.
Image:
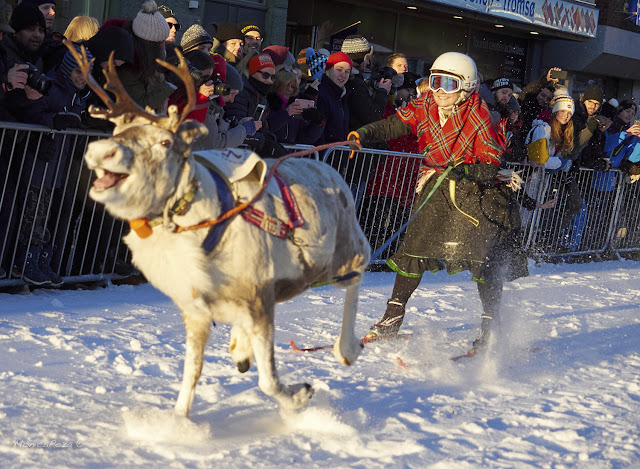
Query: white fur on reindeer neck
x=237, y=165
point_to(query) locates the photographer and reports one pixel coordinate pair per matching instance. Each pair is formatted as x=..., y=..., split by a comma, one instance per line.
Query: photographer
x=20, y=48
x=366, y=101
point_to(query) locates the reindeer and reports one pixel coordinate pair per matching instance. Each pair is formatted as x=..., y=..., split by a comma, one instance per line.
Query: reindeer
x=146, y=168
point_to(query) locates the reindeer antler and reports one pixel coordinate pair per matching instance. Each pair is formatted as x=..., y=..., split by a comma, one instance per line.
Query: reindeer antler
x=124, y=105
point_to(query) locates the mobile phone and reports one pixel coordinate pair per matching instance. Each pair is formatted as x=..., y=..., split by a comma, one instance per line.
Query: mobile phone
x=637, y=122
x=259, y=112
x=558, y=74
x=305, y=103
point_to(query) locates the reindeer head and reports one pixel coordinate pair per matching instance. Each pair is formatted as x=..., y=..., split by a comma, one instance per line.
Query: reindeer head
x=138, y=169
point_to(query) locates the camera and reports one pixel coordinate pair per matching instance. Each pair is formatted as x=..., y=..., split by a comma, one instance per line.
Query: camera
x=220, y=88
x=37, y=80
x=387, y=73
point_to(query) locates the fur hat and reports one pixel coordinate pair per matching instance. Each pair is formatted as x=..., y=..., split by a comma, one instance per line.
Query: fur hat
x=5, y=14
x=227, y=31
x=501, y=83
x=593, y=93
x=260, y=62
x=234, y=80
x=69, y=63
x=562, y=101
x=247, y=28
x=149, y=24
x=316, y=63
x=195, y=36
x=337, y=58
x=26, y=15
x=356, y=47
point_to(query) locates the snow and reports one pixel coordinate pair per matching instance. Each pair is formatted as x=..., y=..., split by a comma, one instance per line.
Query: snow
x=89, y=379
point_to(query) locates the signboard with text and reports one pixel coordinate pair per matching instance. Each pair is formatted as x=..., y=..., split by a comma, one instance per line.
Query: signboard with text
x=561, y=15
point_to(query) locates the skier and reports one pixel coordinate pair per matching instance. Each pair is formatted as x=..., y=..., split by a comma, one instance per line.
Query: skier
x=471, y=220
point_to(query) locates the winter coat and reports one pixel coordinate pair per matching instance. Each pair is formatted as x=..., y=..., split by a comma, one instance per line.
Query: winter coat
x=529, y=102
x=221, y=134
x=153, y=95
x=556, y=162
x=366, y=104
x=292, y=129
x=333, y=105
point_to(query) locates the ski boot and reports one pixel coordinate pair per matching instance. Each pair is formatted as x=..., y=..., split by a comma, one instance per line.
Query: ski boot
x=483, y=339
x=390, y=324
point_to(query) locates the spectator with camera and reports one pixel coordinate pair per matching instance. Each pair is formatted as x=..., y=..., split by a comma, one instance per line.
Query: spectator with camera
x=536, y=96
x=196, y=38
x=367, y=101
x=398, y=62
x=52, y=49
x=293, y=120
x=258, y=72
x=22, y=59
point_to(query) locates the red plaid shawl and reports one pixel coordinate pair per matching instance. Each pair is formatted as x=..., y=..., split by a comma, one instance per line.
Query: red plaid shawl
x=467, y=137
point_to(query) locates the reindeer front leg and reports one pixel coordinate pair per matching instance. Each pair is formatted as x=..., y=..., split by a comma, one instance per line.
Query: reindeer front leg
x=289, y=397
x=197, y=332
x=347, y=348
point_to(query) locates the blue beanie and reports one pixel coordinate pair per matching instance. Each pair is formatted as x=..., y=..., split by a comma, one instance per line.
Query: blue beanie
x=69, y=63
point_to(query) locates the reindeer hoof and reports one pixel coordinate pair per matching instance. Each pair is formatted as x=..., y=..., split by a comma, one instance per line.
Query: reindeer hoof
x=347, y=353
x=300, y=394
x=244, y=365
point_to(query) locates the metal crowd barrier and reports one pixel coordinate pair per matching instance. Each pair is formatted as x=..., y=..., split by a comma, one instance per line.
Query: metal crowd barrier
x=44, y=201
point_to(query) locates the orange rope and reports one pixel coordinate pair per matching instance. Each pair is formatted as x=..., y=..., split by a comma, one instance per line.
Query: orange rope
x=239, y=208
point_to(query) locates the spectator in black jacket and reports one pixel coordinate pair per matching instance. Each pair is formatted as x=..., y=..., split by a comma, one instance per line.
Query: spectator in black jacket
x=367, y=102
x=535, y=97
x=332, y=98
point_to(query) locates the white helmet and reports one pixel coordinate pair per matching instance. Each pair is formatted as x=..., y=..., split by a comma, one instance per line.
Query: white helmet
x=460, y=66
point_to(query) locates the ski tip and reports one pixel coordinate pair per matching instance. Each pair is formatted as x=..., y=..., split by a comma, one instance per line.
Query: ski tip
x=402, y=363
x=294, y=347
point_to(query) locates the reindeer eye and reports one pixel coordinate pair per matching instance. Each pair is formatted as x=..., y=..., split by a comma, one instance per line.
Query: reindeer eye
x=166, y=143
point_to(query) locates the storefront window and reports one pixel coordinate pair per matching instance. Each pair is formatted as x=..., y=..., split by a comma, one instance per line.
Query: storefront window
x=499, y=56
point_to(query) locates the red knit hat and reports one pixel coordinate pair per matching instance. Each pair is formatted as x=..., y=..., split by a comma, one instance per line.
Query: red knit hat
x=259, y=62
x=337, y=58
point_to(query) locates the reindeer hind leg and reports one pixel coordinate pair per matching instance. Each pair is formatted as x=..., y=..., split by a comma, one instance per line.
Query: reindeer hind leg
x=240, y=348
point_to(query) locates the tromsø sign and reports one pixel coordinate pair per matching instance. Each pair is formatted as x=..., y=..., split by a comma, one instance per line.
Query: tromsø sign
x=561, y=15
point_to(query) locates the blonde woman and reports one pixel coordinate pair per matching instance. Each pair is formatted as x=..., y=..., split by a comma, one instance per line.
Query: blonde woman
x=82, y=28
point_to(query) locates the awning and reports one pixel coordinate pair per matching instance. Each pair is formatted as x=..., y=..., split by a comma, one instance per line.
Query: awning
x=612, y=53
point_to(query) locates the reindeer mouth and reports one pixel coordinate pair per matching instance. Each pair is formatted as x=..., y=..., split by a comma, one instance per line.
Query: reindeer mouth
x=107, y=179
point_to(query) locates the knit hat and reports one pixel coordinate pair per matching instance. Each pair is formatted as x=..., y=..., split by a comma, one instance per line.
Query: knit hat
x=337, y=58
x=69, y=63
x=234, y=80
x=609, y=110
x=26, y=15
x=38, y=2
x=356, y=47
x=278, y=53
x=562, y=101
x=227, y=31
x=219, y=66
x=260, y=62
x=113, y=39
x=199, y=59
x=301, y=60
x=625, y=104
x=149, y=24
x=166, y=12
x=316, y=63
x=513, y=104
x=5, y=14
x=501, y=83
x=195, y=36
x=247, y=28
x=593, y=93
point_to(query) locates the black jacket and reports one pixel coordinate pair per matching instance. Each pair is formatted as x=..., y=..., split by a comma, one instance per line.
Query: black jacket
x=333, y=105
x=366, y=105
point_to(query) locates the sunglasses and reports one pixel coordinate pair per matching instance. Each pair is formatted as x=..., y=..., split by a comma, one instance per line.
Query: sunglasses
x=446, y=83
x=267, y=75
x=175, y=26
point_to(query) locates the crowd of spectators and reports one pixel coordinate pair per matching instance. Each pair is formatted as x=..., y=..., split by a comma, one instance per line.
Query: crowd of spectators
x=265, y=97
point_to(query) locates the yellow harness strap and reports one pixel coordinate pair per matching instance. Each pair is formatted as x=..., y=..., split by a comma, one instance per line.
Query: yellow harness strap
x=452, y=194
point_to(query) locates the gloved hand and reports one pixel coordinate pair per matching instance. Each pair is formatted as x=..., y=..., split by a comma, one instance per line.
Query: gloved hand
x=313, y=116
x=65, y=120
x=354, y=137
x=592, y=123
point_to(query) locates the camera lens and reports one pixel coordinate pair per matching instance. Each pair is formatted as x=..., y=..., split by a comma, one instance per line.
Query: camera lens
x=222, y=89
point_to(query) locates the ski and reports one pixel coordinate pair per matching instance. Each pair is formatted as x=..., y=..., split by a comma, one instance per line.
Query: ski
x=367, y=339
x=471, y=353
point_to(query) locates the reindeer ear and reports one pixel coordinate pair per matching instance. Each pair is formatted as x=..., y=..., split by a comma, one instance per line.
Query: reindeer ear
x=188, y=132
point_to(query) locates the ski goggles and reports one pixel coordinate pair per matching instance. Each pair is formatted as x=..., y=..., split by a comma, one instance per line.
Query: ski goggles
x=444, y=82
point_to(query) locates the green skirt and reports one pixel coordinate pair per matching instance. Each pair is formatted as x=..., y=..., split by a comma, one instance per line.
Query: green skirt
x=443, y=237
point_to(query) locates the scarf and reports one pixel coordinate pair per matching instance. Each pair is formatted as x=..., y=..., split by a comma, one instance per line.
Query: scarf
x=466, y=137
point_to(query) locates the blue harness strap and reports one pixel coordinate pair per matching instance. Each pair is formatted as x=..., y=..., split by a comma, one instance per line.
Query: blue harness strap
x=227, y=202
